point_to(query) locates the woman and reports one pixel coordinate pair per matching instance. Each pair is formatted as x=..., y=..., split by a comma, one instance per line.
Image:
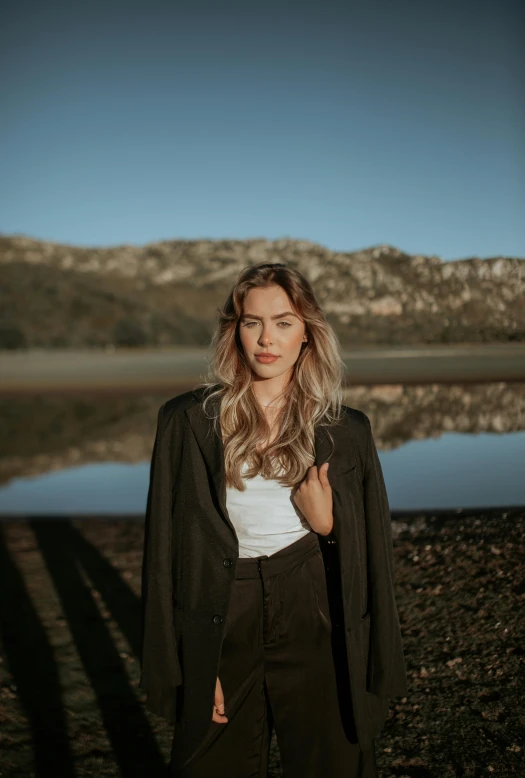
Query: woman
x=268, y=580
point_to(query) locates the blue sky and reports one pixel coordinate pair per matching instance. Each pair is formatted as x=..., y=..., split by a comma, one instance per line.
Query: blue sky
x=348, y=124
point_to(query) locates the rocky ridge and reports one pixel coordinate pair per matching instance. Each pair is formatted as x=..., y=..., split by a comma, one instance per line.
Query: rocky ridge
x=167, y=292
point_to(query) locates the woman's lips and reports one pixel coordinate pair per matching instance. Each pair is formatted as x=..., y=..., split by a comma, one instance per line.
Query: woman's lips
x=264, y=358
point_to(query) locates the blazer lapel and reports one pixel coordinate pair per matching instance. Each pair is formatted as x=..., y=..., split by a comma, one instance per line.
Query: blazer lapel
x=212, y=449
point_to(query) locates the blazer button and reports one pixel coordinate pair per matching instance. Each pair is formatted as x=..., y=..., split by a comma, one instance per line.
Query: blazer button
x=217, y=619
x=227, y=562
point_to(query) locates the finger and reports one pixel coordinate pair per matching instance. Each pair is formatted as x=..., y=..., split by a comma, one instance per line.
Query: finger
x=220, y=719
x=312, y=473
x=219, y=696
x=323, y=474
x=218, y=715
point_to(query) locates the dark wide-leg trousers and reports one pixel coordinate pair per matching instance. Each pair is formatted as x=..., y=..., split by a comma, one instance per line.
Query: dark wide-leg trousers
x=282, y=665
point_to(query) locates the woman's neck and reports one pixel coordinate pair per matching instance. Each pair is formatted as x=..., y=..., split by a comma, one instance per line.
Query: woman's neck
x=269, y=393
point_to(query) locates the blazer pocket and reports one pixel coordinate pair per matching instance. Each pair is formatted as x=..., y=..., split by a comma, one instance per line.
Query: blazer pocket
x=342, y=473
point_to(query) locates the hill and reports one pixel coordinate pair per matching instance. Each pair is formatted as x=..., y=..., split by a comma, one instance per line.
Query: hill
x=166, y=293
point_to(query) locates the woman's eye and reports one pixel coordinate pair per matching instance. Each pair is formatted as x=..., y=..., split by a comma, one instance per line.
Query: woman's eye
x=249, y=323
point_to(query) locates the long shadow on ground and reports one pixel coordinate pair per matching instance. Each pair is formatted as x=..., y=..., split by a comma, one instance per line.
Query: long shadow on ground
x=34, y=669
x=76, y=568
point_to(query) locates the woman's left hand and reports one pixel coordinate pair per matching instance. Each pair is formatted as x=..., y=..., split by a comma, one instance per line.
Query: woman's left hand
x=313, y=497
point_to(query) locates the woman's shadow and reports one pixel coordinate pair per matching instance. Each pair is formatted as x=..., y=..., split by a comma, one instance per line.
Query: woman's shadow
x=76, y=568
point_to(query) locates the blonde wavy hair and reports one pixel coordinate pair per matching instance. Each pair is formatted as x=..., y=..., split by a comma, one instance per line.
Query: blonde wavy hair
x=313, y=395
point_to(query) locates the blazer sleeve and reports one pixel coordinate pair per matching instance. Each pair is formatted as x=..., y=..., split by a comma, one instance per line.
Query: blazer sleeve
x=160, y=669
x=386, y=675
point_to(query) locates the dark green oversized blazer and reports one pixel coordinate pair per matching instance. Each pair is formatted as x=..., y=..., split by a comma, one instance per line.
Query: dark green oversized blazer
x=190, y=554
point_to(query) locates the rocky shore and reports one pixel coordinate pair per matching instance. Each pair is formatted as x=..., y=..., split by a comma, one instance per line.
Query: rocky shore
x=69, y=620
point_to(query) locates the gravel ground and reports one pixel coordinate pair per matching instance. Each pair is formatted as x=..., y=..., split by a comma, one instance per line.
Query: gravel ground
x=69, y=702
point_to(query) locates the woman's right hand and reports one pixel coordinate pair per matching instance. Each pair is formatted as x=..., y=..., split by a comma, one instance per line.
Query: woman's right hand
x=218, y=708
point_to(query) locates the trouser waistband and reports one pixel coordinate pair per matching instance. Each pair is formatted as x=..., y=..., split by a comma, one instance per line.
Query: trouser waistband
x=268, y=566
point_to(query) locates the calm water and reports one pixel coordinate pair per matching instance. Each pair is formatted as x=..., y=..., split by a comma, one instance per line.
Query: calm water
x=440, y=447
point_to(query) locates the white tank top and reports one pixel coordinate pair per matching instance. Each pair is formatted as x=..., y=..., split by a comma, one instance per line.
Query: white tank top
x=264, y=516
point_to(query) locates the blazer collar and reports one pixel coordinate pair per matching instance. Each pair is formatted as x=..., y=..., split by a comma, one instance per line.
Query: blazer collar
x=212, y=448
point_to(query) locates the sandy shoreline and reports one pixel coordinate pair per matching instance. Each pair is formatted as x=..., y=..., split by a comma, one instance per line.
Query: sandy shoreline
x=178, y=369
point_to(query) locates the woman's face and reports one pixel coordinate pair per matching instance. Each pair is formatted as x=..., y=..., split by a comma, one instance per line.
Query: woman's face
x=263, y=329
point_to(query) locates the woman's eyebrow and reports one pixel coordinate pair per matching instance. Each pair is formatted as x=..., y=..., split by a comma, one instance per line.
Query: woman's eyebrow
x=277, y=316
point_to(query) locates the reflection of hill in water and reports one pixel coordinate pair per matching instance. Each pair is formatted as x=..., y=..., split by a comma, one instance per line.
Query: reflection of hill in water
x=44, y=434
x=401, y=413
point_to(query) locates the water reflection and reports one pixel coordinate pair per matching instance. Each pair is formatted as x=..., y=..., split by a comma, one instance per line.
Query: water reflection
x=440, y=446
